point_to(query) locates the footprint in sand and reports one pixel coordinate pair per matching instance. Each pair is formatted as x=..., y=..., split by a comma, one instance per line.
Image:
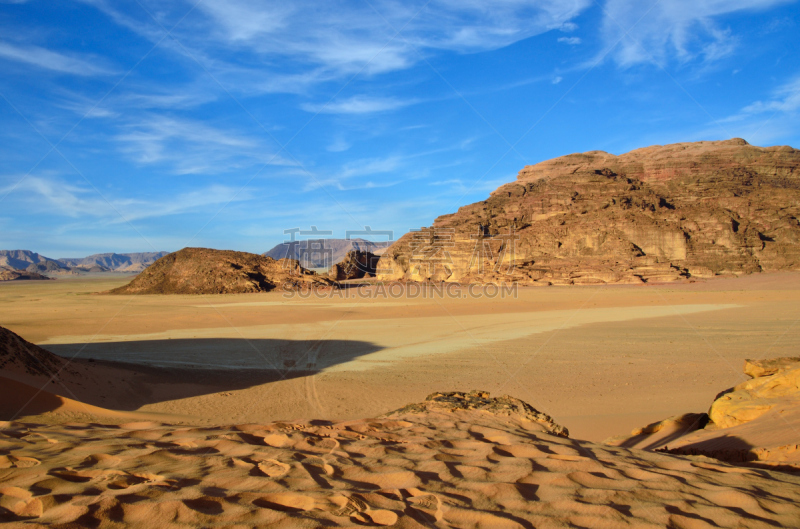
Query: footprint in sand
x=426, y=507
x=125, y=480
x=273, y=468
x=10, y=461
x=100, y=461
x=360, y=512
x=317, y=463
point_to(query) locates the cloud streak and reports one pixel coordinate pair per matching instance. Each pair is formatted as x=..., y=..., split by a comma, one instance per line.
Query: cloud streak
x=78, y=202
x=681, y=30
x=51, y=60
x=191, y=147
x=359, y=105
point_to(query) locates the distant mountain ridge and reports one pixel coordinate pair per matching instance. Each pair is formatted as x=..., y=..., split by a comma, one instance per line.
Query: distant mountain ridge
x=22, y=259
x=124, y=262
x=116, y=262
x=324, y=253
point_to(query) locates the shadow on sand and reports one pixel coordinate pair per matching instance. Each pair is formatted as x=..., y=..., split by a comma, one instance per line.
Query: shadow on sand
x=128, y=375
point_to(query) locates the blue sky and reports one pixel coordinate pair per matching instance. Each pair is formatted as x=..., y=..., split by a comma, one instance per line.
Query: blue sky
x=148, y=125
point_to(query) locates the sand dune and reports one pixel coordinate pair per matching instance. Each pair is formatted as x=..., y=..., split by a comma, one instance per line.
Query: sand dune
x=443, y=466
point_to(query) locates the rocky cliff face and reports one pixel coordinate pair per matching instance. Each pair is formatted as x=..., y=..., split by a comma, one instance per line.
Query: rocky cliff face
x=660, y=213
x=205, y=271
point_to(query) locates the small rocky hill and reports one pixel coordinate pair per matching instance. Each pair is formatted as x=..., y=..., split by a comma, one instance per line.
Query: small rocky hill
x=660, y=213
x=206, y=271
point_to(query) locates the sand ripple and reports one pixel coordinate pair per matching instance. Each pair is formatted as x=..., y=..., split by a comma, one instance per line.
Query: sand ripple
x=466, y=468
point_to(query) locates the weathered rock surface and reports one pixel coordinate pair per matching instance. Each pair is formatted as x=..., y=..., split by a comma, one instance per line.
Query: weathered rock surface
x=205, y=271
x=504, y=406
x=656, y=214
x=355, y=265
x=769, y=366
x=752, y=399
x=757, y=422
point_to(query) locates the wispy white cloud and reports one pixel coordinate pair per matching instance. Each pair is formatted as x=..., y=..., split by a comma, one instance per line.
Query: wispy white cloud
x=786, y=99
x=339, y=144
x=191, y=147
x=764, y=121
x=322, y=40
x=572, y=41
x=52, y=60
x=675, y=29
x=359, y=105
x=361, y=171
x=55, y=196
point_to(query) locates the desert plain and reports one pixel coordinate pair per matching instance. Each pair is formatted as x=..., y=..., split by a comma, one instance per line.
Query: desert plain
x=601, y=359
x=279, y=410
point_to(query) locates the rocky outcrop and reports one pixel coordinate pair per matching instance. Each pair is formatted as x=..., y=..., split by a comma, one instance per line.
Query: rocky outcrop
x=656, y=214
x=752, y=399
x=755, y=422
x=355, y=265
x=769, y=366
x=205, y=271
x=504, y=406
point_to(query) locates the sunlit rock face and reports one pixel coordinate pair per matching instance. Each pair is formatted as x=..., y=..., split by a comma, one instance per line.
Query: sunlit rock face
x=656, y=214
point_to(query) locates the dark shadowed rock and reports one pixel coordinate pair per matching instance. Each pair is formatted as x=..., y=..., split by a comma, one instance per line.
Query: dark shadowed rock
x=355, y=265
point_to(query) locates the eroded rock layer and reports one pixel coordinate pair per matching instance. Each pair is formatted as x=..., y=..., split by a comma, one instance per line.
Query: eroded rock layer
x=656, y=214
x=205, y=271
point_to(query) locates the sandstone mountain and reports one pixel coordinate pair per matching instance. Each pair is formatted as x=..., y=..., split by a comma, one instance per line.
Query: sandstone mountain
x=206, y=271
x=12, y=274
x=323, y=253
x=355, y=265
x=754, y=423
x=660, y=213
